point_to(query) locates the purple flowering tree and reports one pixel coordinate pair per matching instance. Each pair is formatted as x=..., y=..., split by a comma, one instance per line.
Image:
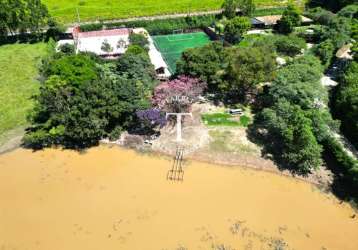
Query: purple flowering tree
x=151, y=118
x=177, y=95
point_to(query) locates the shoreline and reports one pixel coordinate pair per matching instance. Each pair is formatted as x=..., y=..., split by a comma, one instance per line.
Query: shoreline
x=9, y=147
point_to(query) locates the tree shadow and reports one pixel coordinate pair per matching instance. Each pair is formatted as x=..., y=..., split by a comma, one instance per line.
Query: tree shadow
x=342, y=187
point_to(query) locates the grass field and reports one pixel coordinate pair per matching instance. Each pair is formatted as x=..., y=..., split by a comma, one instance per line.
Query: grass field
x=224, y=119
x=65, y=10
x=18, y=72
x=172, y=46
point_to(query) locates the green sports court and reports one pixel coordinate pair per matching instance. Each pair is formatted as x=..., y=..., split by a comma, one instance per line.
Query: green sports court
x=171, y=46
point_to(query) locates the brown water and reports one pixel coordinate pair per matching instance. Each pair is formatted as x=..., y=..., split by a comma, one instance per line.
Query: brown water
x=110, y=198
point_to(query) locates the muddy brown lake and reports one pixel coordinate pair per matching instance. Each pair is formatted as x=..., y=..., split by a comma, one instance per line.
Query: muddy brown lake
x=112, y=198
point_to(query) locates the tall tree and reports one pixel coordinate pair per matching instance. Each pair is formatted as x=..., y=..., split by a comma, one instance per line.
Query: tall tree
x=22, y=15
x=229, y=8
x=247, y=68
x=290, y=18
x=236, y=28
x=247, y=7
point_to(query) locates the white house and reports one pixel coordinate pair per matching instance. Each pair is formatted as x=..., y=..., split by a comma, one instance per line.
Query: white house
x=113, y=43
x=106, y=43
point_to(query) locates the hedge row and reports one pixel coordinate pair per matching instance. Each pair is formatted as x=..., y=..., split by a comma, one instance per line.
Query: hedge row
x=347, y=163
x=159, y=26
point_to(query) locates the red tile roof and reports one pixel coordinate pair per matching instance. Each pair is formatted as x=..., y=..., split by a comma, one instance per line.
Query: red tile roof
x=114, y=32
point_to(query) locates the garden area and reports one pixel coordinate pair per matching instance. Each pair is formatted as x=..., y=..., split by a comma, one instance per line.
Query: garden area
x=18, y=76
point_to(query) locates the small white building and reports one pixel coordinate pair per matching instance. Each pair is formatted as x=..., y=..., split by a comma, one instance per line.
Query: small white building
x=106, y=43
x=113, y=43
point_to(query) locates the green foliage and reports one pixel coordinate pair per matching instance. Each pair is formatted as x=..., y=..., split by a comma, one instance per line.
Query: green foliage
x=289, y=45
x=299, y=83
x=290, y=136
x=325, y=52
x=229, y=8
x=159, y=26
x=224, y=119
x=346, y=103
x=296, y=120
x=21, y=15
x=290, y=19
x=54, y=30
x=321, y=16
x=236, y=28
x=333, y=5
x=67, y=48
x=136, y=50
x=139, y=40
x=247, y=7
x=18, y=82
x=106, y=47
x=82, y=101
x=247, y=68
x=229, y=71
x=208, y=63
x=350, y=11
x=348, y=166
x=74, y=69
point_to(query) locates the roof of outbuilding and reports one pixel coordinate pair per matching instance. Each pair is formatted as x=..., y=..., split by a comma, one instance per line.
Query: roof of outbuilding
x=102, y=33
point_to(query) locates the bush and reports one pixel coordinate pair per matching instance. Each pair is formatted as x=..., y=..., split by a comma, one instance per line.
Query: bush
x=67, y=48
x=289, y=45
x=325, y=52
x=139, y=40
x=320, y=15
x=348, y=165
x=235, y=29
x=74, y=69
x=290, y=19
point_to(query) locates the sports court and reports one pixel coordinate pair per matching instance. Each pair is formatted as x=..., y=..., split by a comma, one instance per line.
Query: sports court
x=171, y=46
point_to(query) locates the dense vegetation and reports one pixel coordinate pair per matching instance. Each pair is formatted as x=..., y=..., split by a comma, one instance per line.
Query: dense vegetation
x=160, y=26
x=21, y=15
x=232, y=73
x=83, y=99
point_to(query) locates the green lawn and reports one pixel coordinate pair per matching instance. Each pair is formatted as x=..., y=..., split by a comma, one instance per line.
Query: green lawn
x=18, y=73
x=224, y=119
x=65, y=10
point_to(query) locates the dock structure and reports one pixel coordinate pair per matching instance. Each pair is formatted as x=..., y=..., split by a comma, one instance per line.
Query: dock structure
x=176, y=173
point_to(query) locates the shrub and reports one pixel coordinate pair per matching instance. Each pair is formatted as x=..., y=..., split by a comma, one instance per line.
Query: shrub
x=67, y=48
x=290, y=19
x=289, y=45
x=235, y=29
x=139, y=40
x=325, y=52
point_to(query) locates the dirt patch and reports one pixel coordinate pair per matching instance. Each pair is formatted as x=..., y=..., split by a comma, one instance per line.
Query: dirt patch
x=11, y=140
x=225, y=145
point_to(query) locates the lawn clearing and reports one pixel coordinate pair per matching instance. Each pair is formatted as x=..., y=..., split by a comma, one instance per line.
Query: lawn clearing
x=224, y=119
x=90, y=10
x=18, y=72
x=172, y=46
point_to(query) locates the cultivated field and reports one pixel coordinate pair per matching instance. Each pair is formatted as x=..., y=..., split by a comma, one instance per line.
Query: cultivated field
x=18, y=72
x=65, y=10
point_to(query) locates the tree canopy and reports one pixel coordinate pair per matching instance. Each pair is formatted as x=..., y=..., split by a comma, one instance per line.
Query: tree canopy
x=21, y=16
x=290, y=18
